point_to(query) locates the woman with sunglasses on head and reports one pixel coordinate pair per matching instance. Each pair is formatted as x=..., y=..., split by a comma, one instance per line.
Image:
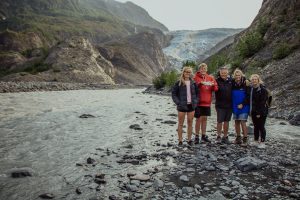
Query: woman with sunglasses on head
x=185, y=96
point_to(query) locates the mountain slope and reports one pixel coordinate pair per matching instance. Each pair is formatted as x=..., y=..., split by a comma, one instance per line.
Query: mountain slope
x=38, y=39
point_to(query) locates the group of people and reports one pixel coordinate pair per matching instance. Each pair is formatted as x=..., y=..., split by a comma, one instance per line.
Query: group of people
x=235, y=97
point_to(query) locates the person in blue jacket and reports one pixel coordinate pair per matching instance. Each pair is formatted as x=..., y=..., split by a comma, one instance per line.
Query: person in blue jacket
x=185, y=96
x=240, y=106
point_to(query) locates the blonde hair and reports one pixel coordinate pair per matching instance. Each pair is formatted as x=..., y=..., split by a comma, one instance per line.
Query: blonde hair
x=258, y=77
x=202, y=65
x=181, y=79
x=238, y=71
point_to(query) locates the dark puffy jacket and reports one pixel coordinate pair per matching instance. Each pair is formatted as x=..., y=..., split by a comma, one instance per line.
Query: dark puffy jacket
x=223, y=95
x=179, y=94
x=258, y=99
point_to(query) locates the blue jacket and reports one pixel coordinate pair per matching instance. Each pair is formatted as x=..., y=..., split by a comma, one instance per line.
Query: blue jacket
x=240, y=96
x=179, y=94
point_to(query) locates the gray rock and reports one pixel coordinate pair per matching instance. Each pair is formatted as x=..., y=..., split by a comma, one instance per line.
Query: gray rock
x=296, y=119
x=148, y=184
x=21, y=172
x=86, y=116
x=187, y=190
x=225, y=188
x=135, y=127
x=47, y=196
x=216, y=196
x=242, y=191
x=158, y=184
x=135, y=182
x=131, y=188
x=249, y=163
x=138, y=195
x=140, y=177
x=169, y=122
x=184, y=178
x=210, y=168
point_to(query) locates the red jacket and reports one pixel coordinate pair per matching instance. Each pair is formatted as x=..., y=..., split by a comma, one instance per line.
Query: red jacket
x=206, y=84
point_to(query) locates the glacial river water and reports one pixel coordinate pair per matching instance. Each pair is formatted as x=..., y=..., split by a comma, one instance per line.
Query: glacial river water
x=42, y=131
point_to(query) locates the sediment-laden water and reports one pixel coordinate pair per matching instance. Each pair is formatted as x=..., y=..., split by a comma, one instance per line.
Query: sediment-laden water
x=43, y=133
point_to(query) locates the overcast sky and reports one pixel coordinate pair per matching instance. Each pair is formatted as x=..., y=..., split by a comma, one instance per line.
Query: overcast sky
x=201, y=14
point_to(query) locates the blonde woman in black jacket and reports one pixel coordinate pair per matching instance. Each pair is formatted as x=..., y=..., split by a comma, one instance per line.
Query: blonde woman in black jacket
x=258, y=109
x=185, y=96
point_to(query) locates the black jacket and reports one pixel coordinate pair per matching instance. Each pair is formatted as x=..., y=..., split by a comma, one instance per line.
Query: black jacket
x=258, y=100
x=179, y=94
x=223, y=95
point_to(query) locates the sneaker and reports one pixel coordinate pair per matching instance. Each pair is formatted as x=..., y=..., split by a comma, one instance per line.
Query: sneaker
x=218, y=140
x=261, y=145
x=190, y=143
x=204, y=138
x=180, y=143
x=238, y=140
x=255, y=143
x=196, y=139
x=225, y=140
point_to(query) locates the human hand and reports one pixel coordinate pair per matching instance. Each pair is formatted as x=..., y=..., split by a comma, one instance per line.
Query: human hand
x=240, y=106
x=258, y=116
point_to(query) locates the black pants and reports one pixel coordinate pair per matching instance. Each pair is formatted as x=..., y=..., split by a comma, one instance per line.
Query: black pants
x=259, y=127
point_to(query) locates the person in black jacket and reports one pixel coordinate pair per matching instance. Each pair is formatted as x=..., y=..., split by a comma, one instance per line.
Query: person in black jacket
x=223, y=104
x=258, y=109
x=185, y=96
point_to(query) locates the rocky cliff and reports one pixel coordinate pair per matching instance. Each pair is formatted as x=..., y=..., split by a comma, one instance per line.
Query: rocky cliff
x=55, y=41
x=133, y=60
x=132, y=66
x=270, y=47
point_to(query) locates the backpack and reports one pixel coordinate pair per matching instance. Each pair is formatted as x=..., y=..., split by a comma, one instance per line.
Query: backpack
x=269, y=99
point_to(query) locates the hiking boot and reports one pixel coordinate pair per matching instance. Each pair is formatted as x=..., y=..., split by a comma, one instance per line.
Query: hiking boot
x=218, y=140
x=225, y=140
x=190, y=143
x=204, y=138
x=180, y=143
x=245, y=142
x=238, y=140
x=196, y=141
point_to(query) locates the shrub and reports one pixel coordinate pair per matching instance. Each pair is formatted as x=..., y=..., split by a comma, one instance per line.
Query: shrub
x=215, y=62
x=263, y=26
x=250, y=44
x=236, y=62
x=281, y=51
x=171, y=78
x=165, y=79
x=191, y=64
x=37, y=67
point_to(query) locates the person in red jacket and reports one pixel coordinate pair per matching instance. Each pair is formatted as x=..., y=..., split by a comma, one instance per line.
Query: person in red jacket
x=206, y=84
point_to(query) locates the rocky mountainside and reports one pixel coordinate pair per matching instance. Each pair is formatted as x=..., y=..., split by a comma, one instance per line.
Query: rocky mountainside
x=127, y=11
x=270, y=46
x=55, y=41
x=194, y=45
x=120, y=61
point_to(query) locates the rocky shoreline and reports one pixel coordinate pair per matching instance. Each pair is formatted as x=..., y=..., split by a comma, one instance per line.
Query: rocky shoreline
x=11, y=87
x=207, y=171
